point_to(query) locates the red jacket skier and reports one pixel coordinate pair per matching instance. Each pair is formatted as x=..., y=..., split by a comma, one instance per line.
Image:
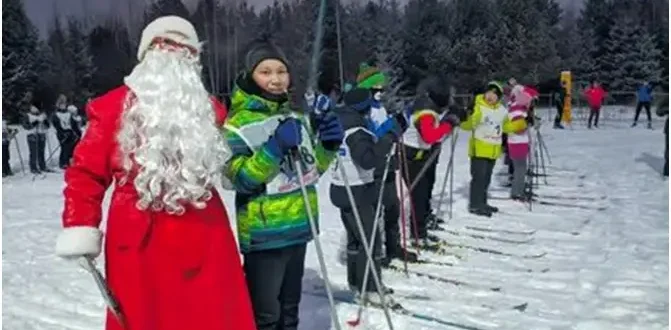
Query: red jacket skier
x=171, y=258
x=595, y=95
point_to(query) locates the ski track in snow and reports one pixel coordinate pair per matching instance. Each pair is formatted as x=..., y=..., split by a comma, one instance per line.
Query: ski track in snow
x=602, y=269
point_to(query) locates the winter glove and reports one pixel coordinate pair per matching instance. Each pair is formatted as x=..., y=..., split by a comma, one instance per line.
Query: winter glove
x=309, y=97
x=331, y=132
x=458, y=111
x=79, y=241
x=402, y=121
x=451, y=119
x=322, y=104
x=287, y=136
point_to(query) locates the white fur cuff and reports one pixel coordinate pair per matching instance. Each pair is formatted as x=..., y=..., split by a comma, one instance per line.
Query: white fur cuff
x=79, y=241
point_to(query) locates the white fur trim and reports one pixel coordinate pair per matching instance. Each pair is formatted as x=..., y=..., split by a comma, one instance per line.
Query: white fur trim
x=170, y=27
x=79, y=241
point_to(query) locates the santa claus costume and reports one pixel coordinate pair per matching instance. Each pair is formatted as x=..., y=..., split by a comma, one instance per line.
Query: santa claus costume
x=170, y=256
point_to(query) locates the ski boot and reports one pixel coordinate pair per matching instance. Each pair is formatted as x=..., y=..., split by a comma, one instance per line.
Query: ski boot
x=428, y=243
x=399, y=253
x=481, y=211
x=374, y=299
x=436, y=219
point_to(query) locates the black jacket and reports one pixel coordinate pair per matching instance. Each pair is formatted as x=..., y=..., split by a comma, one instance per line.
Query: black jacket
x=364, y=150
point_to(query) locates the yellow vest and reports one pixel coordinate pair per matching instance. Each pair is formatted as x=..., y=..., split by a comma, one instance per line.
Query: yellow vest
x=487, y=124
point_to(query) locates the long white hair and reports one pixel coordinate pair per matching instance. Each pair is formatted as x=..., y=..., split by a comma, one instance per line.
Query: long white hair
x=169, y=142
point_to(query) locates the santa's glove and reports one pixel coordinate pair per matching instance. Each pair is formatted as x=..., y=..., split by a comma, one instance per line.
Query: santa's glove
x=79, y=241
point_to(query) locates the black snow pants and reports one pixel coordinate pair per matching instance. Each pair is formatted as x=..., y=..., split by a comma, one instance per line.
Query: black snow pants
x=420, y=196
x=274, y=280
x=36, y=145
x=391, y=207
x=366, y=198
x=639, y=107
x=481, y=176
x=68, y=140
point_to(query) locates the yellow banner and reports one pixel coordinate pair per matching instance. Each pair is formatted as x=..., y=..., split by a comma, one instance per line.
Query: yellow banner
x=566, y=81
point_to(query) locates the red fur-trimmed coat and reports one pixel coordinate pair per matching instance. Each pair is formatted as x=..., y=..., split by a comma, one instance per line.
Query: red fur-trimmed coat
x=168, y=272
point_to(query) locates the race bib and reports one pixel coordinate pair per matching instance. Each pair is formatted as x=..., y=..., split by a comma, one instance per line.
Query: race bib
x=490, y=128
x=286, y=181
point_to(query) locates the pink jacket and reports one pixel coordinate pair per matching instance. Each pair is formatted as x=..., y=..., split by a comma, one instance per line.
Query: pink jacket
x=518, y=143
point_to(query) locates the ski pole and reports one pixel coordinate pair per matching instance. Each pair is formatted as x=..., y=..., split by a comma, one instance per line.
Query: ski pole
x=540, y=150
x=448, y=173
x=543, y=145
x=112, y=304
x=378, y=210
x=413, y=216
x=404, y=228
x=18, y=151
x=434, y=154
x=315, y=234
x=366, y=246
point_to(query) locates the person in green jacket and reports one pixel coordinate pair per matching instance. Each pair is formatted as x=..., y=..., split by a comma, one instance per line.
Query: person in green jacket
x=488, y=121
x=266, y=137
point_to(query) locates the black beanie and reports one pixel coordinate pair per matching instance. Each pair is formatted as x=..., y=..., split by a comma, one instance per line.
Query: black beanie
x=260, y=50
x=496, y=88
x=436, y=88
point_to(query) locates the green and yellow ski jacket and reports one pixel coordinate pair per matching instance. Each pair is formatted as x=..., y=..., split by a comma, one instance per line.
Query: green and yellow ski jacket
x=487, y=124
x=269, y=204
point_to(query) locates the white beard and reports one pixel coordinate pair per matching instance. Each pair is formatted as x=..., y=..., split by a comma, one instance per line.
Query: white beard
x=168, y=136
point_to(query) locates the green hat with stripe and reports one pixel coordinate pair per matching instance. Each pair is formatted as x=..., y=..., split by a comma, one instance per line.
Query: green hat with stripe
x=370, y=76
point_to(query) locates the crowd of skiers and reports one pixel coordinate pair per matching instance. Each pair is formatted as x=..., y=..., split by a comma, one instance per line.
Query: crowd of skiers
x=170, y=256
x=64, y=118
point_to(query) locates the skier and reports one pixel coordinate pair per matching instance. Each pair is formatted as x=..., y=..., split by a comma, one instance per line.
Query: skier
x=170, y=255
x=507, y=90
x=370, y=78
x=518, y=143
x=487, y=122
x=595, y=95
x=663, y=110
x=644, y=96
x=560, y=100
x=66, y=121
x=266, y=138
x=425, y=133
x=361, y=153
x=37, y=125
x=7, y=135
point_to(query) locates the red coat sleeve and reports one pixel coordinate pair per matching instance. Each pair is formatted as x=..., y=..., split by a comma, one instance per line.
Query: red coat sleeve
x=220, y=112
x=430, y=132
x=90, y=173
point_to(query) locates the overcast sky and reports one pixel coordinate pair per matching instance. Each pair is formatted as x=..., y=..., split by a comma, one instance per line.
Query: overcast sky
x=41, y=12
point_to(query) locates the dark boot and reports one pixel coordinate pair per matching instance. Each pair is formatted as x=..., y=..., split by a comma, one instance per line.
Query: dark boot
x=480, y=211
x=492, y=209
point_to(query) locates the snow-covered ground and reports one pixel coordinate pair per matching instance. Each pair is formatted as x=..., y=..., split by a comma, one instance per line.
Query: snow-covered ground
x=599, y=264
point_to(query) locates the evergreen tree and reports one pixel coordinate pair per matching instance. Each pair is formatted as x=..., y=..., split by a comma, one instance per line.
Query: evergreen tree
x=631, y=56
x=81, y=62
x=597, y=16
x=111, y=54
x=19, y=55
x=585, y=67
x=160, y=8
x=64, y=75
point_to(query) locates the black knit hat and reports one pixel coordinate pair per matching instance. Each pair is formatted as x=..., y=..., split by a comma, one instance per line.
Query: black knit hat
x=496, y=88
x=436, y=88
x=260, y=50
